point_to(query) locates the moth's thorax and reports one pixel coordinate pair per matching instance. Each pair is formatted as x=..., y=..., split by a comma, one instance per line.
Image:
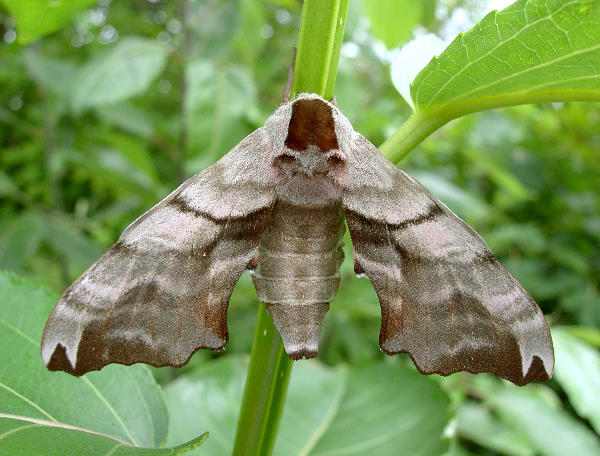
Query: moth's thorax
x=307, y=178
x=310, y=162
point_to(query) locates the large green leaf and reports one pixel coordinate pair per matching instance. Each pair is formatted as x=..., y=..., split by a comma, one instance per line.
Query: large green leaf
x=532, y=51
x=578, y=371
x=551, y=430
x=384, y=408
x=28, y=437
x=36, y=18
x=123, y=71
x=122, y=402
x=476, y=422
x=377, y=408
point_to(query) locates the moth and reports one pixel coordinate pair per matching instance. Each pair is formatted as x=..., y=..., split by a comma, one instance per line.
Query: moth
x=276, y=205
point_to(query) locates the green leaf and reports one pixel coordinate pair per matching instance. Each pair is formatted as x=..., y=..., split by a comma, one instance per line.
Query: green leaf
x=476, y=423
x=373, y=409
x=71, y=243
x=207, y=398
x=128, y=118
x=533, y=51
x=37, y=18
x=56, y=75
x=578, y=371
x=123, y=71
x=384, y=407
x=469, y=206
x=392, y=21
x=551, y=431
x=124, y=403
x=42, y=437
x=19, y=239
x=457, y=450
x=7, y=186
x=136, y=154
x=589, y=335
x=216, y=101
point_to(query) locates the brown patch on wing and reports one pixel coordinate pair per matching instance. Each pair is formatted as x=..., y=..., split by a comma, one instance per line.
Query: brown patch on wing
x=311, y=123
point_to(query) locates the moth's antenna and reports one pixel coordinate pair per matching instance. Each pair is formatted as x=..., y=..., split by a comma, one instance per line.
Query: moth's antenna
x=287, y=89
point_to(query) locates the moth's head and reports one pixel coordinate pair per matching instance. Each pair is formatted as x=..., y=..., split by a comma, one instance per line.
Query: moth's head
x=310, y=136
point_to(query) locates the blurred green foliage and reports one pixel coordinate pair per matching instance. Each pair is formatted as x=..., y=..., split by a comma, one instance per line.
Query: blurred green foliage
x=99, y=120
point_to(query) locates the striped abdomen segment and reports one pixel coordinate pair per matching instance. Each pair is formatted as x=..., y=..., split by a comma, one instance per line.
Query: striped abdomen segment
x=300, y=254
x=297, y=271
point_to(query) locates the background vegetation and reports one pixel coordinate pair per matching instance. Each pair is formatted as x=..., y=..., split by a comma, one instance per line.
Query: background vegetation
x=101, y=117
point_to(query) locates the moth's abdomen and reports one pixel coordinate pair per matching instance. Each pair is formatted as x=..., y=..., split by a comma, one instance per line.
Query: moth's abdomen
x=300, y=254
x=297, y=271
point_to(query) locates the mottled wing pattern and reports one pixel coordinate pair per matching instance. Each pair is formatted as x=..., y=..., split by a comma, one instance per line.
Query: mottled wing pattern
x=445, y=299
x=161, y=292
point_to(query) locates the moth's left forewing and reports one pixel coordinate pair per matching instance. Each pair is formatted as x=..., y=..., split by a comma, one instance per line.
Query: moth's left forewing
x=445, y=299
x=162, y=291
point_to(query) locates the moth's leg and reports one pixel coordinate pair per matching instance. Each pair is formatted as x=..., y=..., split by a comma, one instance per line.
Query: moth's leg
x=287, y=89
x=334, y=101
x=358, y=270
x=252, y=264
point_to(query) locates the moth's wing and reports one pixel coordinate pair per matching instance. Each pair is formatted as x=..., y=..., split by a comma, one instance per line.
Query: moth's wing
x=161, y=292
x=445, y=299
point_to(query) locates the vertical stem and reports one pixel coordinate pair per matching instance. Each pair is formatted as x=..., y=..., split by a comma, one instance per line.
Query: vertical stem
x=49, y=126
x=321, y=33
x=319, y=44
x=186, y=50
x=264, y=395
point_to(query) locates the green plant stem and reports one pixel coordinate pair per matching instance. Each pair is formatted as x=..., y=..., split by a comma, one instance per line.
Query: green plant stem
x=423, y=123
x=319, y=44
x=409, y=135
x=321, y=33
x=264, y=395
x=186, y=50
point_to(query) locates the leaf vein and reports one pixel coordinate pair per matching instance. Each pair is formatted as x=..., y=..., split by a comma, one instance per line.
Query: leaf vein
x=500, y=44
x=12, y=431
x=28, y=401
x=18, y=331
x=111, y=409
x=524, y=71
x=57, y=424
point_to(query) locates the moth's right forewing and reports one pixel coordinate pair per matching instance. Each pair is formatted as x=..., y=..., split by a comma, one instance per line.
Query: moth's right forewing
x=445, y=299
x=162, y=291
